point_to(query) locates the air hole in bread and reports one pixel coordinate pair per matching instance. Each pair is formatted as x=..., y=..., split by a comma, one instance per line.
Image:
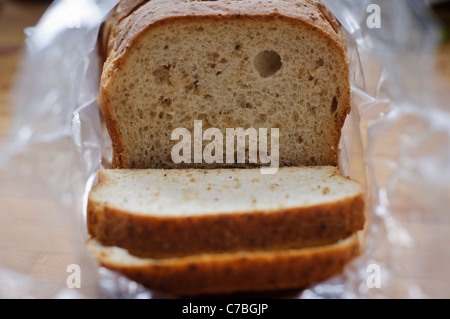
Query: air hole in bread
x=267, y=63
x=334, y=105
x=166, y=102
x=162, y=74
x=320, y=62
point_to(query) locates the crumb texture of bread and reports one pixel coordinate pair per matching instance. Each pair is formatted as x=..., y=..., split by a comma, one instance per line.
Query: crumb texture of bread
x=230, y=64
x=231, y=272
x=163, y=213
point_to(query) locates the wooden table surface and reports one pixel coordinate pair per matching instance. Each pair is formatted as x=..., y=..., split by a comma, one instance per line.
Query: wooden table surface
x=16, y=15
x=14, y=18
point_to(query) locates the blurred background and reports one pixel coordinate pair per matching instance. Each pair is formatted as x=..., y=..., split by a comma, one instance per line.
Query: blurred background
x=442, y=10
x=15, y=16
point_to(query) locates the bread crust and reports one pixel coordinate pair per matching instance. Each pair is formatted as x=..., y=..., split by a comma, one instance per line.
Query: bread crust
x=162, y=237
x=109, y=28
x=119, y=154
x=231, y=272
x=149, y=15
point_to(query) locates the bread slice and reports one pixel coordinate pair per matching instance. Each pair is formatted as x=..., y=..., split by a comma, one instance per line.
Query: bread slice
x=230, y=272
x=165, y=213
x=231, y=64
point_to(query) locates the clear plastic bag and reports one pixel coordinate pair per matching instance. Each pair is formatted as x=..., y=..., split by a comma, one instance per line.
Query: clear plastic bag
x=396, y=142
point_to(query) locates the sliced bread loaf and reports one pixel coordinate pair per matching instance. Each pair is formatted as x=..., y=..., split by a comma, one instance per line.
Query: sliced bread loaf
x=231, y=64
x=166, y=213
x=230, y=272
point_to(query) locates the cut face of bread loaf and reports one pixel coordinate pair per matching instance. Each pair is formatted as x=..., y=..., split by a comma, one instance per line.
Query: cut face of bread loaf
x=230, y=64
x=172, y=213
x=231, y=272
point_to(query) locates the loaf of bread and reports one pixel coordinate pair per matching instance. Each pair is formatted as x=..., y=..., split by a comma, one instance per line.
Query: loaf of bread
x=166, y=213
x=199, y=227
x=230, y=64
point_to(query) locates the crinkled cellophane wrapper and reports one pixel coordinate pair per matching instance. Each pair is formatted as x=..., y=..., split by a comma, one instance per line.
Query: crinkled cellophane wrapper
x=396, y=142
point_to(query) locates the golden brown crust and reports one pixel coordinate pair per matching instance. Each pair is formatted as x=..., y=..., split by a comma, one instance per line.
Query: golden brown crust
x=162, y=11
x=162, y=237
x=126, y=7
x=119, y=154
x=110, y=28
x=149, y=15
x=228, y=273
